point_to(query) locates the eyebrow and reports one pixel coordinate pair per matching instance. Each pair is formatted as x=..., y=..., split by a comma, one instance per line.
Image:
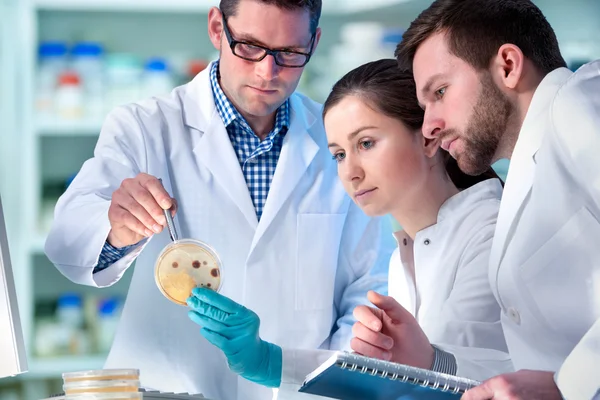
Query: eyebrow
x=245, y=37
x=352, y=135
x=430, y=82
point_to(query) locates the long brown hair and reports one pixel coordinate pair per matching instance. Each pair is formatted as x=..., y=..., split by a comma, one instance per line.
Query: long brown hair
x=392, y=91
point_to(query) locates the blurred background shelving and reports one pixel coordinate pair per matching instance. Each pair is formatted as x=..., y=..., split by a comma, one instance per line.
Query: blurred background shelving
x=127, y=50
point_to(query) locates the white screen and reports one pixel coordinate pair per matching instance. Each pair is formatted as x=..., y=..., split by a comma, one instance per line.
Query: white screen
x=12, y=350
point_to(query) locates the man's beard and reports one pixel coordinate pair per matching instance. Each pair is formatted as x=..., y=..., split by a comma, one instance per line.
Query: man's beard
x=488, y=124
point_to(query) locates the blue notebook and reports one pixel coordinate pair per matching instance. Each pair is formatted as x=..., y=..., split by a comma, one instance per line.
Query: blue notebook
x=354, y=377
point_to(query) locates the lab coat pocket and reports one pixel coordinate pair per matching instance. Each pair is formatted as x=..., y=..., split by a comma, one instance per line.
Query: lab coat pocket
x=564, y=275
x=319, y=237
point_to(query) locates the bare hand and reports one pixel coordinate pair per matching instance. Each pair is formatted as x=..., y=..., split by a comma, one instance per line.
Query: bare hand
x=390, y=332
x=136, y=210
x=524, y=384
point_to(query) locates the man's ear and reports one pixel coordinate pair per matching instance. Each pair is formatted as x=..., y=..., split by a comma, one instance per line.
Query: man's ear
x=317, y=40
x=215, y=27
x=507, y=66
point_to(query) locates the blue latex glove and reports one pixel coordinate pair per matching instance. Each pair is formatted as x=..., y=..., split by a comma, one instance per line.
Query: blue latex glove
x=234, y=329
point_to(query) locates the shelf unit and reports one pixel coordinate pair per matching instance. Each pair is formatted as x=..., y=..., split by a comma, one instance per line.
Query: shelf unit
x=196, y=6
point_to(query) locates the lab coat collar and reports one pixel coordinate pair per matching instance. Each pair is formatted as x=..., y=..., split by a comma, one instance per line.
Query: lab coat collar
x=521, y=171
x=216, y=152
x=457, y=206
x=467, y=198
x=532, y=131
x=199, y=111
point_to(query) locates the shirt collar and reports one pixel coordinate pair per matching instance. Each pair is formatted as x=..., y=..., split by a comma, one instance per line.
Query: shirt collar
x=462, y=203
x=230, y=115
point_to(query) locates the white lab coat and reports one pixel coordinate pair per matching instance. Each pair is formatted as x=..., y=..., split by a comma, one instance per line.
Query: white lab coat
x=442, y=277
x=545, y=260
x=302, y=269
x=451, y=296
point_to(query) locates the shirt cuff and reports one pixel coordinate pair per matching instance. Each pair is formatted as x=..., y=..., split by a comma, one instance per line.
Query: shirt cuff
x=443, y=362
x=110, y=255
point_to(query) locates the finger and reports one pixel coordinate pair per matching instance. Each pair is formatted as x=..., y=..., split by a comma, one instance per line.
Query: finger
x=210, y=324
x=174, y=207
x=367, y=349
x=368, y=317
x=481, y=392
x=125, y=200
x=155, y=187
x=147, y=200
x=214, y=338
x=203, y=308
x=376, y=339
x=391, y=307
x=122, y=218
x=217, y=300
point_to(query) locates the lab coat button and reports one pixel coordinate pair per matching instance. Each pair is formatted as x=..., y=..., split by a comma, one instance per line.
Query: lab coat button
x=426, y=242
x=514, y=316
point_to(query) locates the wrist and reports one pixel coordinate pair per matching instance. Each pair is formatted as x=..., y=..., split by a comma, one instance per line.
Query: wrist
x=443, y=362
x=275, y=365
x=268, y=372
x=114, y=242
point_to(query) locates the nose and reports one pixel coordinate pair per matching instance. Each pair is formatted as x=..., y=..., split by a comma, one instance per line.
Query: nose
x=433, y=124
x=267, y=68
x=351, y=170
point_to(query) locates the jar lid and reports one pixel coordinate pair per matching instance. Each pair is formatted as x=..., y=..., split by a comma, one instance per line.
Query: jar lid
x=68, y=78
x=101, y=374
x=105, y=396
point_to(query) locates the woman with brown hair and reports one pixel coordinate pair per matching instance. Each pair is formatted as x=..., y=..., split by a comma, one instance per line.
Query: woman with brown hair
x=439, y=273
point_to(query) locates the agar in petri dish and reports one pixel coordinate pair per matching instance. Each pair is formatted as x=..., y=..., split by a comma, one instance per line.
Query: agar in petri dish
x=184, y=265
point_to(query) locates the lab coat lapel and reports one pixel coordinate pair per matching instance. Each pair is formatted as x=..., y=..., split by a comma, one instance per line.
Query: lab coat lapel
x=521, y=171
x=518, y=185
x=214, y=150
x=298, y=151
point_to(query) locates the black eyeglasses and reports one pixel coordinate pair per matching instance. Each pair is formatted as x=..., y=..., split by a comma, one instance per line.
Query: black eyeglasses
x=254, y=52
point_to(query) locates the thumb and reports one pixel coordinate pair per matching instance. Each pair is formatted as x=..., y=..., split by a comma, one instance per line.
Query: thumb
x=481, y=392
x=390, y=306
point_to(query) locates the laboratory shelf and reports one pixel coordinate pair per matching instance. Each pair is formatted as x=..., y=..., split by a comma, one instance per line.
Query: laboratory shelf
x=40, y=368
x=67, y=127
x=131, y=5
x=330, y=7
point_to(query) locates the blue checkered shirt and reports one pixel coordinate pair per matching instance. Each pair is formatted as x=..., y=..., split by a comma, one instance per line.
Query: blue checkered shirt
x=257, y=159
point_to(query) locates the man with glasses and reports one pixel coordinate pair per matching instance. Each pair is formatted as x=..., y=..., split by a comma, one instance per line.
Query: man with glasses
x=246, y=159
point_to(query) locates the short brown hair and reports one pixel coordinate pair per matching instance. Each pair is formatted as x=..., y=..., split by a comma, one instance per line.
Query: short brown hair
x=476, y=29
x=229, y=8
x=392, y=92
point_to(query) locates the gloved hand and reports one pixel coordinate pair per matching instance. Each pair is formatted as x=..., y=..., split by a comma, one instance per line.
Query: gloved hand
x=234, y=329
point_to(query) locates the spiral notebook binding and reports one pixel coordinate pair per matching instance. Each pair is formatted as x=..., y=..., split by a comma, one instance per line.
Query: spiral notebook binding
x=416, y=376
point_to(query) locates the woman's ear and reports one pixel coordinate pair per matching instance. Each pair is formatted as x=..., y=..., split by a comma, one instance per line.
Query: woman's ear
x=430, y=146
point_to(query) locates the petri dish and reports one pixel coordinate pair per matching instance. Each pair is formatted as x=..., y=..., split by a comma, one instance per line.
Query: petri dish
x=101, y=375
x=105, y=396
x=185, y=264
x=104, y=386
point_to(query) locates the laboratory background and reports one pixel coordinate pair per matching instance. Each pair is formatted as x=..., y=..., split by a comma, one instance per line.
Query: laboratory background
x=65, y=63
